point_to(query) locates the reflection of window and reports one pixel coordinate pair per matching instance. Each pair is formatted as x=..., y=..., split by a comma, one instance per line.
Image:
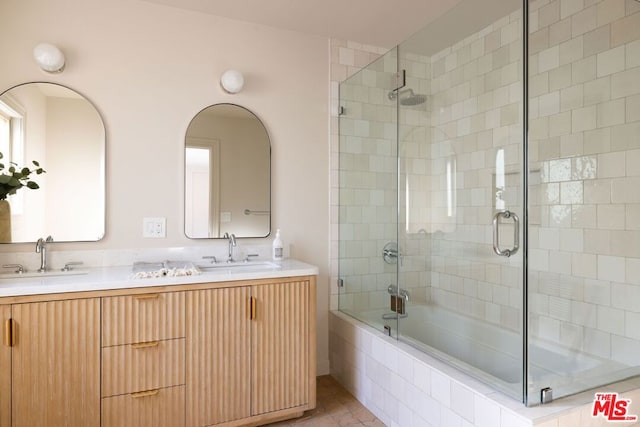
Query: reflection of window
x=202, y=188
x=197, y=187
x=5, y=134
x=12, y=144
x=11, y=135
x=499, y=184
x=451, y=187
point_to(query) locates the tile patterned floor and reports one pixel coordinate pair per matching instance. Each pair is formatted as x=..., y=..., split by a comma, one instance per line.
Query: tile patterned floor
x=335, y=408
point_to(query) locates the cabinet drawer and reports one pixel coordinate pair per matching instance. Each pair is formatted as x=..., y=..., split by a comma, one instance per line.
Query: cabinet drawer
x=141, y=318
x=153, y=408
x=143, y=366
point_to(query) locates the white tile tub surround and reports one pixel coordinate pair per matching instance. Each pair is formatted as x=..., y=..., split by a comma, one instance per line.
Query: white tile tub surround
x=475, y=109
x=584, y=88
x=584, y=197
x=404, y=387
x=585, y=243
x=346, y=58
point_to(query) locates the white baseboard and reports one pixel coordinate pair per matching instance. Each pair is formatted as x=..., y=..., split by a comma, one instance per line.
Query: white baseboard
x=322, y=367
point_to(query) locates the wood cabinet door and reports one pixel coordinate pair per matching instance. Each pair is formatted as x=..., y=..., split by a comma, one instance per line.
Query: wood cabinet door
x=5, y=369
x=280, y=343
x=56, y=363
x=218, y=356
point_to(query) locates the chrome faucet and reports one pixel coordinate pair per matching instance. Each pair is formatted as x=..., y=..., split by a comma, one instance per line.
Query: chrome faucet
x=41, y=248
x=232, y=244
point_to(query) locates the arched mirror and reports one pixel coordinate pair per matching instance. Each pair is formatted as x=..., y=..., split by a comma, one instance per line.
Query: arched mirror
x=227, y=174
x=64, y=133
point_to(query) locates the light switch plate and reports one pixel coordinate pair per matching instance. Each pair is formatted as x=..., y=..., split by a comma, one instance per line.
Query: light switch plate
x=154, y=227
x=225, y=216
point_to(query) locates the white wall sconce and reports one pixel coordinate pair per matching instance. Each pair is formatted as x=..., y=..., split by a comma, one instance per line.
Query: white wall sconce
x=232, y=81
x=49, y=58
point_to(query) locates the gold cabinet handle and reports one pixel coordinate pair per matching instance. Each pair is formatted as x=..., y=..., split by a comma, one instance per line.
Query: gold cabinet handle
x=252, y=308
x=145, y=393
x=9, y=333
x=146, y=344
x=146, y=296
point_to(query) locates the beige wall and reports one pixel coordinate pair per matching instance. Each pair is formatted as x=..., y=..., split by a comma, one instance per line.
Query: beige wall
x=149, y=69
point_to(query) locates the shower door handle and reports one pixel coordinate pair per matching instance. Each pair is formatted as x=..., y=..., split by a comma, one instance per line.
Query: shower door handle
x=496, y=233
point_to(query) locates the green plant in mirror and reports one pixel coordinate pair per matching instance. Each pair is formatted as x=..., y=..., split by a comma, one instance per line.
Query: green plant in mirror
x=14, y=178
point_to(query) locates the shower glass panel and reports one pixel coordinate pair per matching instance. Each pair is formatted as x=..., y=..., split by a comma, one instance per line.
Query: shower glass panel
x=460, y=161
x=368, y=193
x=584, y=204
x=444, y=173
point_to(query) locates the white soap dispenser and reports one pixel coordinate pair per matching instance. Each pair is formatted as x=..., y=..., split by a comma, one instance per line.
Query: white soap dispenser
x=278, y=254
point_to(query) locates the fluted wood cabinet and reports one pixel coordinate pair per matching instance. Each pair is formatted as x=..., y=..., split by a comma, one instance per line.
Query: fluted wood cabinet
x=56, y=363
x=5, y=368
x=218, y=356
x=281, y=375
x=251, y=353
x=238, y=353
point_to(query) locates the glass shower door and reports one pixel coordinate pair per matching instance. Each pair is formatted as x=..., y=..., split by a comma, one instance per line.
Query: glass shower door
x=368, y=193
x=584, y=266
x=460, y=193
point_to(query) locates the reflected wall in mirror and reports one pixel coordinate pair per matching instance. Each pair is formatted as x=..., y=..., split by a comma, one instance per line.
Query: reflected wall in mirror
x=63, y=131
x=227, y=174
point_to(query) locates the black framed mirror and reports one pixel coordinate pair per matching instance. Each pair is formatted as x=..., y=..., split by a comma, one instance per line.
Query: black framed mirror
x=64, y=132
x=227, y=174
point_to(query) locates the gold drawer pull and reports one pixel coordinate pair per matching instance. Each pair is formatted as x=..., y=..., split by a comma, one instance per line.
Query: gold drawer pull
x=146, y=344
x=9, y=333
x=252, y=308
x=145, y=393
x=147, y=296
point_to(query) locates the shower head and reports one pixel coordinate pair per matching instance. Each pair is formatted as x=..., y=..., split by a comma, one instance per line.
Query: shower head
x=412, y=99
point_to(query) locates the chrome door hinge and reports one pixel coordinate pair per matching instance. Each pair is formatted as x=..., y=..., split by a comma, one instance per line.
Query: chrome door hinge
x=398, y=80
x=340, y=283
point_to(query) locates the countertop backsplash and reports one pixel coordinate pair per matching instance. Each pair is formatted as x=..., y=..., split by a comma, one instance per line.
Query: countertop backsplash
x=122, y=257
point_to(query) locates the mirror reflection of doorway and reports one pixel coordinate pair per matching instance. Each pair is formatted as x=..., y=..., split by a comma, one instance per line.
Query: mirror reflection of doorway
x=202, y=186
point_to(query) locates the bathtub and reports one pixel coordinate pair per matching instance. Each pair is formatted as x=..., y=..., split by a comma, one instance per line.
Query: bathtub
x=406, y=382
x=493, y=354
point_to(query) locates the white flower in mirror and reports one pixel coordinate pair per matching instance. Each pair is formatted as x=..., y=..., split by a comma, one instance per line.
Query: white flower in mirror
x=232, y=81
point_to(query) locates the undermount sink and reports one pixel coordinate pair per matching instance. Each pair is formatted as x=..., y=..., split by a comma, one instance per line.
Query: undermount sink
x=239, y=266
x=34, y=274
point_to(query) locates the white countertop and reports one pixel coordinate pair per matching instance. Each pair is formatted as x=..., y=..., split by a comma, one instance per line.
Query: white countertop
x=108, y=278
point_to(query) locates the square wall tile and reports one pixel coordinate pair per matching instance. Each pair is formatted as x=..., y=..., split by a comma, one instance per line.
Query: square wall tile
x=611, y=61
x=611, y=113
x=583, y=119
x=611, y=217
x=611, y=268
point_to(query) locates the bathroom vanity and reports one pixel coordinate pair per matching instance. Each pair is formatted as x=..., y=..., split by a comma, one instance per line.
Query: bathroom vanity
x=229, y=347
